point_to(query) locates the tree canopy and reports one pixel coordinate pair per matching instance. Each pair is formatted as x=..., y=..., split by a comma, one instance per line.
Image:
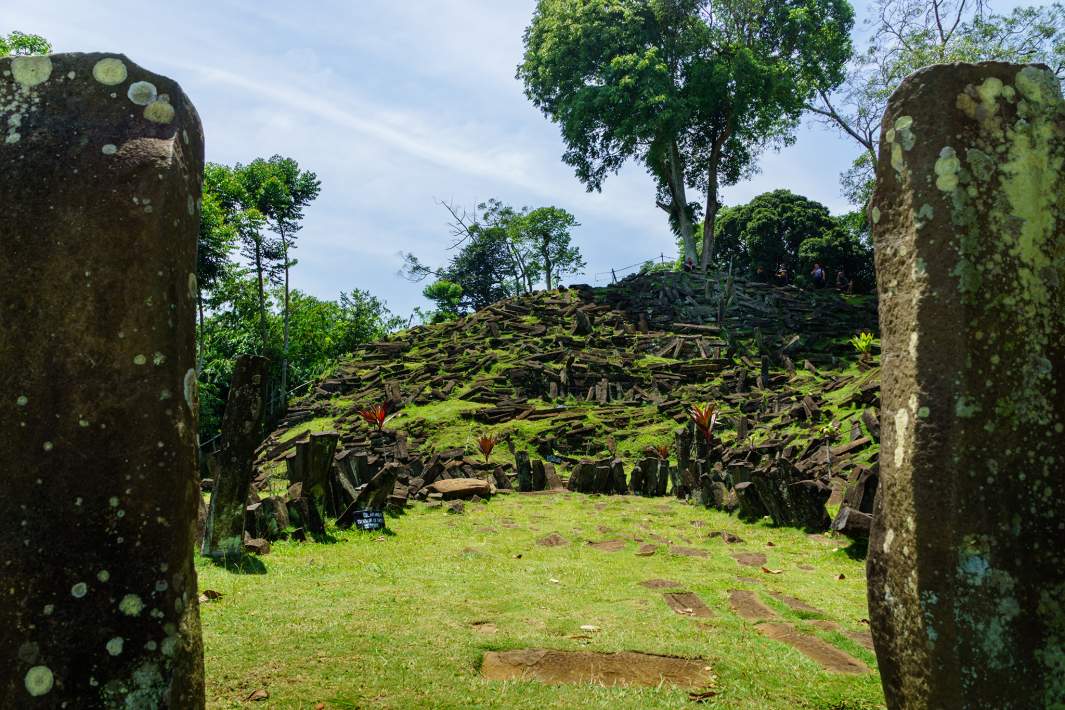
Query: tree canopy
x=781, y=229
x=907, y=35
x=20, y=44
x=498, y=251
x=692, y=89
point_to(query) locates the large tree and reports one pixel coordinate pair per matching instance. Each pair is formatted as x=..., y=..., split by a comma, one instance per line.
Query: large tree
x=280, y=191
x=545, y=233
x=20, y=44
x=907, y=35
x=782, y=229
x=693, y=89
x=500, y=251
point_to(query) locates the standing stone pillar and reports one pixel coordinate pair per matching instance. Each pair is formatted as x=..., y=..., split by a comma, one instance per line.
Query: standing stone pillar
x=967, y=552
x=101, y=164
x=242, y=432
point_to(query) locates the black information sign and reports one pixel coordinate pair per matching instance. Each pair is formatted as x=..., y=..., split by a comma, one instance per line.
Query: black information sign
x=369, y=519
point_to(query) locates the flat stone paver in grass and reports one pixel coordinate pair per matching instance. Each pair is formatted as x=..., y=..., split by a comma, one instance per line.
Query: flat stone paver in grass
x=827, y=656
x=608, y=669
x=687, y=604
x=749, y=606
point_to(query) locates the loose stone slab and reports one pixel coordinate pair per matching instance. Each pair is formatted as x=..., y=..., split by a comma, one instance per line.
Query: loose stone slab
x=687, y=551
x=687, y=604
x=966, y=566
x=751, y=559
x=795, y=604
x=608, y=669
x=747, y=604
x=552, y=540
x=659, y=583
x=827, y=656
x=101, y=165
x=608, y=545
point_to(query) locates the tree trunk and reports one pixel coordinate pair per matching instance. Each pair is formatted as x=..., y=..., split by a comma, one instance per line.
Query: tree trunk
x=262, y=295
x=284, y=351
x=547, y=269
x=710, y=218
x=199, y=335
x=680, y=203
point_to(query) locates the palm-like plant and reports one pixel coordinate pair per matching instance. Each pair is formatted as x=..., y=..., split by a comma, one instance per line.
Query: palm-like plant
x=663, y=451
x=863, y=344
x=377, y=415
x=704, y=417
x=487, y=442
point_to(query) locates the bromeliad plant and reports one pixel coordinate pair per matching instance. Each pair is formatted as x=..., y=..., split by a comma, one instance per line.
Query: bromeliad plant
x=663, y=451
x=704, y=417
x=487, y=442
x=863, y=344
x=377, y=415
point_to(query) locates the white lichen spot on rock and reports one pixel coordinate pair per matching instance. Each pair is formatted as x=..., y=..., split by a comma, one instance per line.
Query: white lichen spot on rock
x=48, y=446
x=13, y=138
x=139, y=359
x=159, y=111
x=39, y=681
x=79, y=590
x=109, y=149
x=110, y=71
x=103, y=575
x=192, y=285
x=889, y=537
x=22, y=400
x=947, y=167
x=902, y=423
x=190, y=386
x=142, y=93
x=114, y=646
x=131, y=605
x=31, y=71
x=876, y=215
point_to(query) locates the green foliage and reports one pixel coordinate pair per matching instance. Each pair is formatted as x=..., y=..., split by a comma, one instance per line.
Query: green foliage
x=907, y=35
x=782, y=229
x=694, y=90
x=20, y=44
x=447, y=295
x=863, y=343
x=322, y=332
x=499, y=252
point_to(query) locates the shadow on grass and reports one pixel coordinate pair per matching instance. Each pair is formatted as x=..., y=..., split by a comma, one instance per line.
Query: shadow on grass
x=857, y=550
x=245, y=564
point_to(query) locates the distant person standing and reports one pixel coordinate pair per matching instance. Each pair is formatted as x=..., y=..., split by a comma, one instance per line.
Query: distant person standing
x=842, y=281
x=818, y=275
x=782, y=276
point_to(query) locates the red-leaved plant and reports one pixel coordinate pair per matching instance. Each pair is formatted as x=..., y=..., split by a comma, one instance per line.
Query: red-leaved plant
x=487, y=442
x=704, y=417
x=377, y=415
x=663, y=451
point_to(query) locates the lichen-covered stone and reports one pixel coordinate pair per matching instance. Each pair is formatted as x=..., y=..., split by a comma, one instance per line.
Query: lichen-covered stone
x=231, y=465
x=97, y=386
x=967, y=561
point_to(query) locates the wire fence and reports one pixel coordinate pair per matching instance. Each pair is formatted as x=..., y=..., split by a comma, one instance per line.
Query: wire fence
x=617, y=273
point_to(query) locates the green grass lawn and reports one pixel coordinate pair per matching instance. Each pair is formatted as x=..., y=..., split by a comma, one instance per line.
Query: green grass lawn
x=402, y=620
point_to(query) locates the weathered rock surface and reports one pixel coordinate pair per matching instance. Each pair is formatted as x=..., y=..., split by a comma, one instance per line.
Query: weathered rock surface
x=231, y=465
x=967, y=566
x=101, y=165
x=453, y=488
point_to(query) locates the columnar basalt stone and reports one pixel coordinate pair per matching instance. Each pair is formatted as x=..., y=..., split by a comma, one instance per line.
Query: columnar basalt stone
x=101, y=164
x=231, y=466
x=966, y=565
x=524, y=469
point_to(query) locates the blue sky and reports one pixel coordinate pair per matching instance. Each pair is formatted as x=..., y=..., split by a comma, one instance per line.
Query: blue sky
x=395, y=104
